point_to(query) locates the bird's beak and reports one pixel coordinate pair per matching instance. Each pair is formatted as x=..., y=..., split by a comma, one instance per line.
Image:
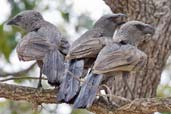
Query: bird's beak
x=121, y=15
x=118, y=15
x=149, y=29
x=120, y=18
x=11, y=22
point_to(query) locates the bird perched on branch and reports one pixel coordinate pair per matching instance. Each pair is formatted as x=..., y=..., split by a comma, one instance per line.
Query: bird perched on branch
x=121, y=55
x=86, y=48
x=43, y=43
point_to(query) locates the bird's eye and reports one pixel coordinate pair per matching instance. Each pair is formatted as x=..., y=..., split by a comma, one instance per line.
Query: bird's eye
x=118, y=18
x=113, y=19
x=36, y=29
x=124, y=42
x=121, y=23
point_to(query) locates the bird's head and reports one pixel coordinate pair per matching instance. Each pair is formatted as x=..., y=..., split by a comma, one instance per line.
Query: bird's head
x=27, y=20
x=133, y=32
x=110, y=22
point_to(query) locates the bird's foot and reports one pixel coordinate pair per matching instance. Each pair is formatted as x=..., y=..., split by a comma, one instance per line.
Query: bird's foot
x=39, y=87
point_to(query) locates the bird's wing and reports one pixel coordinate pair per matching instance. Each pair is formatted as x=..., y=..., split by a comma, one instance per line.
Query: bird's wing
x=89, y=47
x=32, y=47
x=116, y=57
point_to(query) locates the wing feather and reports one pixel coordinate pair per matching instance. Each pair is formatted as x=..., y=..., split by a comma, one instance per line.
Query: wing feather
x=32, y=47
x=116, y=57
x=89, y=47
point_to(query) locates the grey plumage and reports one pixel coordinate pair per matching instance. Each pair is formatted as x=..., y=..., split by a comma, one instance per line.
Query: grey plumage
x=32, y=44
x=90, y=43
x=53, y=67
x=43, y=42
x=121, y=55
x=133, y=32
x=70, y=85
x=118, y=57
x=88, y=46
x=89, y=88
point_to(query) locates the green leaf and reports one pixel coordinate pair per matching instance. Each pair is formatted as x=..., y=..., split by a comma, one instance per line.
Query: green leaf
x=65, y=15
x=7, y=42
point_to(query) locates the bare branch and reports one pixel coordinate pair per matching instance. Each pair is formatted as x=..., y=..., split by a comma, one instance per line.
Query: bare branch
x=33, y=95
x=114, y=97
x=21, y=78
x=138, y=106
x=19, y=73
x=146, y=106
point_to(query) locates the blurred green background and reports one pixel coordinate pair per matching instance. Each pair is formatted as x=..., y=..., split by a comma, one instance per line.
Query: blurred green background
x=72, y=17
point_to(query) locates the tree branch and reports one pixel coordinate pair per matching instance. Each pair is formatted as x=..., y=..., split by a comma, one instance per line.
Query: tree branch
x=32, y=95
x=21, y=78
x=18, y=73
x=146, y=106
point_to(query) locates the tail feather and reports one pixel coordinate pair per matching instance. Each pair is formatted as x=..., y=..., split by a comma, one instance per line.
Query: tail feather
x=53, y=67
x=71, y=85
x=88, y=91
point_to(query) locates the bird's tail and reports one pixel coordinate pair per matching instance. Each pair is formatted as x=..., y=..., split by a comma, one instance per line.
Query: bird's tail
x=125, y=77
x=53, y=67
x=88, y=91
x=71, y=84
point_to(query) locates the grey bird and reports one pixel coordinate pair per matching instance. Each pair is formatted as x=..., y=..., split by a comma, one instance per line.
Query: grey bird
x=43, y=43
x=121, y=55
x=86, y=47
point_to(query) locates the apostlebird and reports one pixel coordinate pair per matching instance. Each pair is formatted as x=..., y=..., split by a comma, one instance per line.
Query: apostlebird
x=43, y=43
x=86, y=48
x=121, y=55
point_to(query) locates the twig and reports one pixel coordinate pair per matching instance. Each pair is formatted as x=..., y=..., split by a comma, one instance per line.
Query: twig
x=81, y=80
x=19, y=73
x=115, y=97
x=18, y=78
x=75, y=76
x=107, y=88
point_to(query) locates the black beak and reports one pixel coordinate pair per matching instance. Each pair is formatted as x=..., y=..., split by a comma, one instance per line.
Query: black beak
x=149, y=29
x=119, y=18
x=11, y=22
x=121, y=15
x=118, y=15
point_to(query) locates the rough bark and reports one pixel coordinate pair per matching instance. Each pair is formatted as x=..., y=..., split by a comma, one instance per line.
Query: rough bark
x=32, y=95
x=158, y=13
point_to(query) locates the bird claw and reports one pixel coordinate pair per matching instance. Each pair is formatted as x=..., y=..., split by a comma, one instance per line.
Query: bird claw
x=39, y=87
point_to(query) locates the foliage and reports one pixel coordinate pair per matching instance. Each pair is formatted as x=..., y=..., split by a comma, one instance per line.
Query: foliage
x=163, y=91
